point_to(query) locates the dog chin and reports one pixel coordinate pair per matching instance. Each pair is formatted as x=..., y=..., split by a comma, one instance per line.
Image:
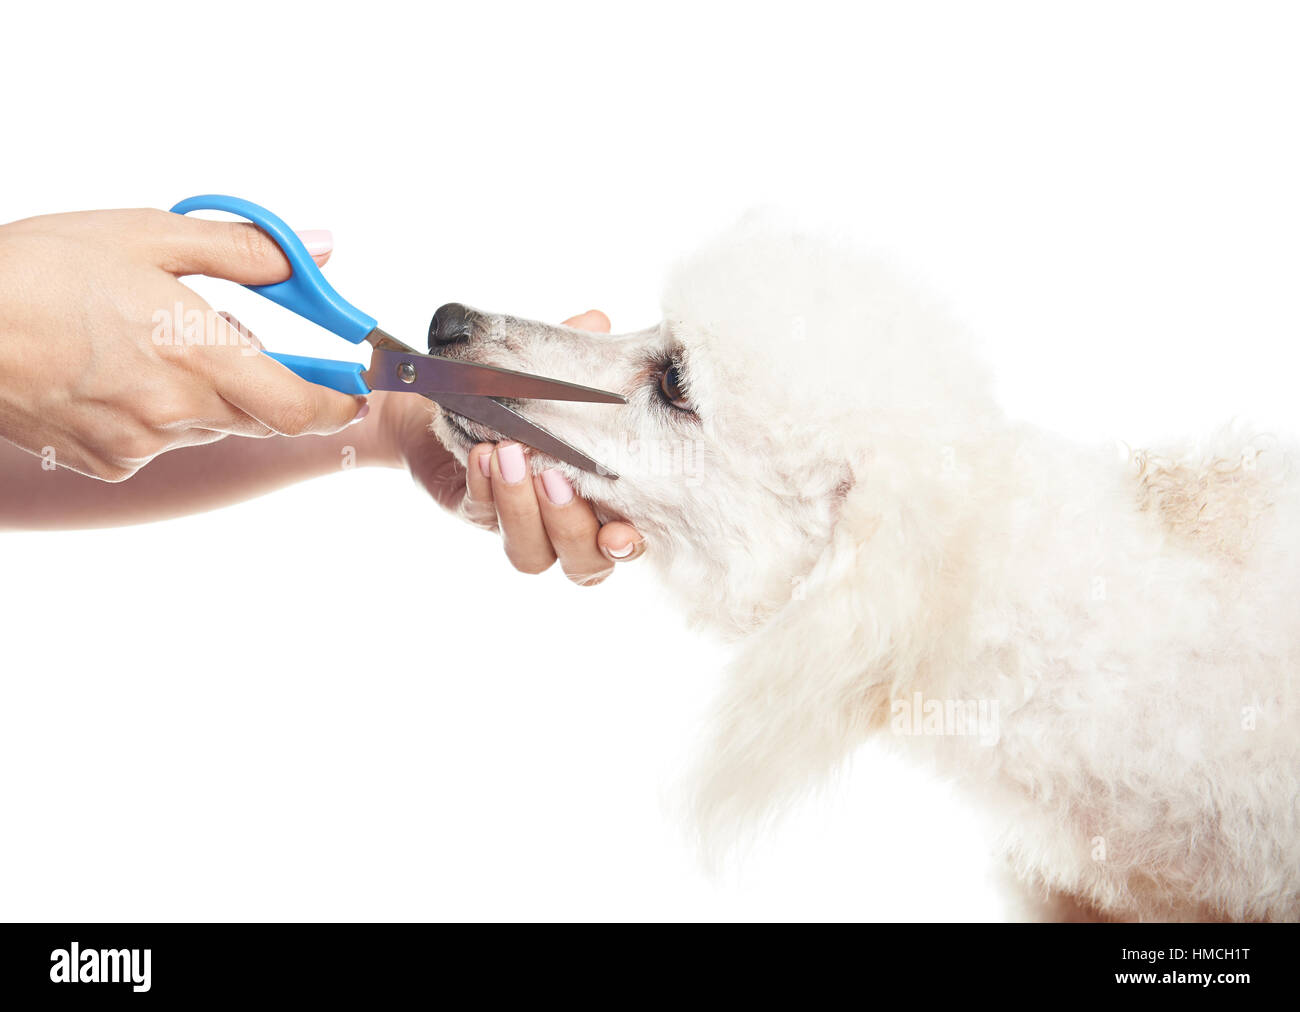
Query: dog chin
x=460, y=435
x=458, y=432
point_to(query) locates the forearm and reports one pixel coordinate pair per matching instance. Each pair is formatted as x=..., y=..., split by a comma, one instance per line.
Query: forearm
x=181, y=482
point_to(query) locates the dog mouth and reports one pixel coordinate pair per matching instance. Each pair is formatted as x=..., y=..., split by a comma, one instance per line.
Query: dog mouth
x=471, y=432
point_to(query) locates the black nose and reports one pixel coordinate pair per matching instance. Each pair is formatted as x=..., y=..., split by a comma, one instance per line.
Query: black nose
x=451, y=324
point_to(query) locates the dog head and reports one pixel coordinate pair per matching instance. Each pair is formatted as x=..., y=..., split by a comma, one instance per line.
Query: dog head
x=799, y=447
x=783, y=369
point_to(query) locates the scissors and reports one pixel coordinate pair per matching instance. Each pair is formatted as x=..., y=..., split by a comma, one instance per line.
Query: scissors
x=467, y=388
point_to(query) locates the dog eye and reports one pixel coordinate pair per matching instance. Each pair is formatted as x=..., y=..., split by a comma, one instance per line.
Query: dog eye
x=670, y=386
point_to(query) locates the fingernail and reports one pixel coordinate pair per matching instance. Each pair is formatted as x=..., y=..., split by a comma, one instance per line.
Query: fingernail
x=318, y=241
x=558, y=489
x=361, y=412
x=510, y=458
x=485, y=464
x=624, y=552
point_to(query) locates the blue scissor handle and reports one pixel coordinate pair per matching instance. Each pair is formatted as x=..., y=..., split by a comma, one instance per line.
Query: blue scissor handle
x=306, y=293
x=345, y=377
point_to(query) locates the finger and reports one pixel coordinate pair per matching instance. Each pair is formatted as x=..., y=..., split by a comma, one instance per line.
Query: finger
x=261, y=387
x=527, y=546
x=230, y=420
x=572, y=527
x=239, y=422
x=593, y=320
x=209, y=411
x=217, y=415
x=236, y=251
x=620, y=542
x=477, y=507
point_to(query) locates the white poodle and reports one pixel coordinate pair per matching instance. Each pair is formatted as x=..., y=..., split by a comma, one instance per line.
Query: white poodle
x=1104, y=649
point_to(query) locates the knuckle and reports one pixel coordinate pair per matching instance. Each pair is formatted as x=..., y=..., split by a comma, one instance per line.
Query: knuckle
x=153, y=231
x=589, y=579
x=295, y=416
x=158, y=413
x=110, y=469
x=125, y=444
x=569, y=535
x=148, y=220
x=517, y=510
x=114, y=474
x=136, y=447
x=251, y=243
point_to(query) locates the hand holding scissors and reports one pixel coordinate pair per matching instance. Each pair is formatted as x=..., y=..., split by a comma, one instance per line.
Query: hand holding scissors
x=467, y=388
x=85, y=385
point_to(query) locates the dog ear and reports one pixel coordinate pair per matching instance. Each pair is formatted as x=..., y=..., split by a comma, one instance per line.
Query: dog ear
x=810, y=685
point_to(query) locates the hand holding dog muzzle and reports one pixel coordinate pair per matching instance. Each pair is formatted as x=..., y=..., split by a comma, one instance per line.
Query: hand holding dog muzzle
x=539, y=517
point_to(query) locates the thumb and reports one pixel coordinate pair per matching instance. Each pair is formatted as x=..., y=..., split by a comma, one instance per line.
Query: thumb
x=234, y=250
x=264, y=389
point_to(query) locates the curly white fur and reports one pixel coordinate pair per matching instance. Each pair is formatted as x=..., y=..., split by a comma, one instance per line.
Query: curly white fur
x=860, y=514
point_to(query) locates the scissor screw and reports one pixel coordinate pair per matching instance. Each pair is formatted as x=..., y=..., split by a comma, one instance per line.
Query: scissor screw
x=406, y=372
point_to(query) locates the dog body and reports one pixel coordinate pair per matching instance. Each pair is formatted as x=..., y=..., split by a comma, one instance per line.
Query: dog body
x=814, y=455
x=1144, y=669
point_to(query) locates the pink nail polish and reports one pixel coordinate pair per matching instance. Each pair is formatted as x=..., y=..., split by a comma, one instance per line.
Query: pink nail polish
x=510, y=458
x=558, y=489
x=622, y=553
x=318, y=241
x=485, y=464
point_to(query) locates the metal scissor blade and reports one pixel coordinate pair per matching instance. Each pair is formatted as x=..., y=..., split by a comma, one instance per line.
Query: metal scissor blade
x=432, y=375
x=510, y=423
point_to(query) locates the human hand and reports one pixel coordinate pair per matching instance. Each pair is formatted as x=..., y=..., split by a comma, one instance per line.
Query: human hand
x=539, y=517
x=89, y=367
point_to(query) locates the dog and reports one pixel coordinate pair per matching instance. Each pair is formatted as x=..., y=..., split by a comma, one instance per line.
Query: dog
x=1103, y=648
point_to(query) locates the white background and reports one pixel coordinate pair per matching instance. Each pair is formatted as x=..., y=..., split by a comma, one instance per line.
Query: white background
x=336, y=702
